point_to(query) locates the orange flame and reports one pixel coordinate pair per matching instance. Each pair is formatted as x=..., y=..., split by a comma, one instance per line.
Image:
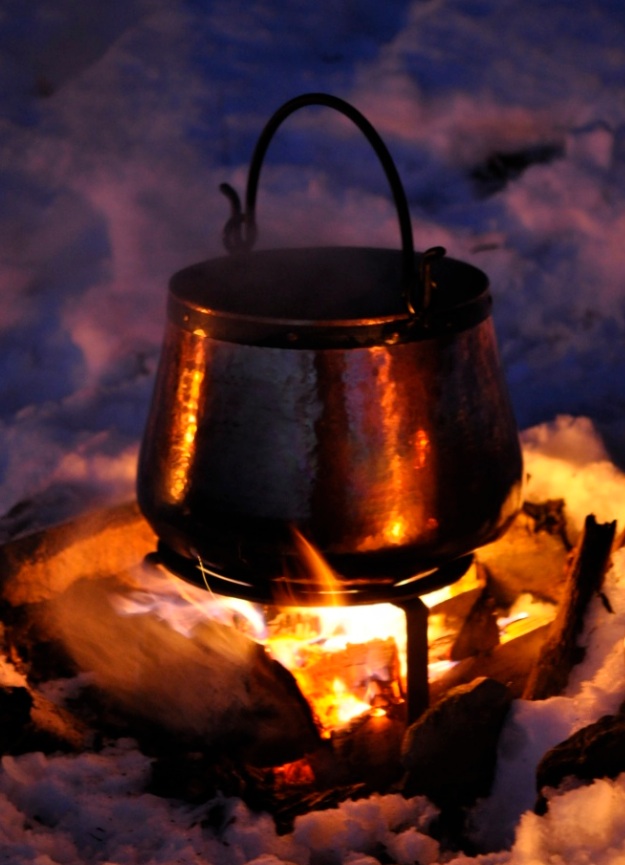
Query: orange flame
x=320, y=573
x=347, y=660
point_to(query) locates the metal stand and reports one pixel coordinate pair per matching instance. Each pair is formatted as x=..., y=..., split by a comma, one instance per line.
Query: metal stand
x=405, y=595
x=418, y=696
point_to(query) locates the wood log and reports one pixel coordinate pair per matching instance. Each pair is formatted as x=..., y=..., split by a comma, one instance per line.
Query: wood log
x=41, y=565
x=214, y=686
x=584, y=577
x=435, y=751
x=509, y=663
x=479, y=633
x=595, y=751
x=367, y=750
x=619, y=540
x=530, y=557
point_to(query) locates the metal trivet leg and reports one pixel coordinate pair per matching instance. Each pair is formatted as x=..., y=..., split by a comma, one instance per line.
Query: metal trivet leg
x=418, y=697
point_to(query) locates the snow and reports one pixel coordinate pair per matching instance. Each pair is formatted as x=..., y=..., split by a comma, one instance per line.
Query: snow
x=118, y=121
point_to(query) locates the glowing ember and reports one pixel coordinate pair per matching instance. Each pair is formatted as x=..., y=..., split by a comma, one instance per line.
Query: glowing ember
x=341, y=705
x=297, y=773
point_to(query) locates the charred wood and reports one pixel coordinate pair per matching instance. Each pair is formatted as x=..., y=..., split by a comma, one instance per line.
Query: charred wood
x=479, y=633
x=549, y=516
x=596, y=751
x=435, y=750
x=583, y=579
x=15, y=705
x=367, y=750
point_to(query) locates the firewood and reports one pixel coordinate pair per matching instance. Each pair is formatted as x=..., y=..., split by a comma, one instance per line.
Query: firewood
x=619, y=540
x=509, y=663
x=595, y=751
x=584, y=577
x=15, y=707
x=479, y=633
x=530, y=557
x=436, y=753
x=214, y=688
x=367, y=750
x=358, y=666
x=39, y=566
x=549, y=516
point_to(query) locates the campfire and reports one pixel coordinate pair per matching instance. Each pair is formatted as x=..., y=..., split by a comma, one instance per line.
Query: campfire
x=295, y=711
x=330, y=588
x=292, y=709
x=330, y=595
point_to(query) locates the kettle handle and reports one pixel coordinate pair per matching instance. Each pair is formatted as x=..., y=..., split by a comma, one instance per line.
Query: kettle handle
x=240, y=231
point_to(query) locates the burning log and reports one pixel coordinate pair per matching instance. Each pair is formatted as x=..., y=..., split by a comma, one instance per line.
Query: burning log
x=198, y=700
x=583, y=578
x=215, y=688
x=367, y=750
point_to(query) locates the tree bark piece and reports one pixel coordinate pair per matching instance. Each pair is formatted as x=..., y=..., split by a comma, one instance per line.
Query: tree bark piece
x=584, y=577
x=40, y=566
x=509, y=663
x=530, y=557
x=450, y=753
x=595, y=751
x=479, y=633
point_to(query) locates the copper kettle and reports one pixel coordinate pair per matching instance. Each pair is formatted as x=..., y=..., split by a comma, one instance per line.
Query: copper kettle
x=350, y=396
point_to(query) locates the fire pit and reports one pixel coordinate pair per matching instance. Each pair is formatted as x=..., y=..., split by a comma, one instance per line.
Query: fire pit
x=62, y=585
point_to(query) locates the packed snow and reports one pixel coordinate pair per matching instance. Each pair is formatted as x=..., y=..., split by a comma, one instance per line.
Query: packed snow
x=118, y=122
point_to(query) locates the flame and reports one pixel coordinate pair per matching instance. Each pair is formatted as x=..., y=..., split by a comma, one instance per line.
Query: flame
x=345, y=706
x=347, y=660
x=184, y=606
x=317, y=569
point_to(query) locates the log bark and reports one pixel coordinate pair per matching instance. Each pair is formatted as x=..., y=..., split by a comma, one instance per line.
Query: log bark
x=584, y=577
x=479, y=633
x=435, y=751
x=595, y=751
x=530, y=557
x=39, y=566
x=509, y=663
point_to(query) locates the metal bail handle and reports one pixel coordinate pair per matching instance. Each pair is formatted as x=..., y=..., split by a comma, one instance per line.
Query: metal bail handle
x=240, y=231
